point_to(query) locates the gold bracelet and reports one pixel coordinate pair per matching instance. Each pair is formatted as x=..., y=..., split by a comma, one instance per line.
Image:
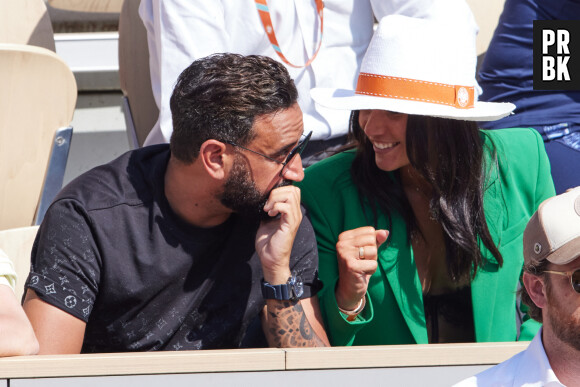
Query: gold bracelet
x=353, y=313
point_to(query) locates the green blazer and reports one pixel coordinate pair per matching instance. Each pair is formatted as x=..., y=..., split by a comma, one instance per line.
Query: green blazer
x=516, y=184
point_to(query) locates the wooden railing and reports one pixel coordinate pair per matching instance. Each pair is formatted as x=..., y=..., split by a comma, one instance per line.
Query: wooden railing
x=436, y=364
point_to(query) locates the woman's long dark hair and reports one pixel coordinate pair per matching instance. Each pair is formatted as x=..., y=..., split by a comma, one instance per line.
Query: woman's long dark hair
x=448, y=154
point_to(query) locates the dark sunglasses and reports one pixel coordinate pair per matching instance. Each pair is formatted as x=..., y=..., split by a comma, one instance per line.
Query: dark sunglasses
x=297, y=150
x=573, y=275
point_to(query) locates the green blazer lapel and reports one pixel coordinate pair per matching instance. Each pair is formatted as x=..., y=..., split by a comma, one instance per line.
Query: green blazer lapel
x=493, y=202
x=396, y=261
x=484, y=285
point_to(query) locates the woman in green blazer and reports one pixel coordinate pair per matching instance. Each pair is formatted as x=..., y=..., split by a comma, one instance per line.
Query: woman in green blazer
x=419, y=228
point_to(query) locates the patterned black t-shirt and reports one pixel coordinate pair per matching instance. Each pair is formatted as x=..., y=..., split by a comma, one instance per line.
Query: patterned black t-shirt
x=112, y=253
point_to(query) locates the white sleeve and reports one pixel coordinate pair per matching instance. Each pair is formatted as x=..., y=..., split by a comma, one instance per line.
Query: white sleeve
x=412, y=8
x=179, y=32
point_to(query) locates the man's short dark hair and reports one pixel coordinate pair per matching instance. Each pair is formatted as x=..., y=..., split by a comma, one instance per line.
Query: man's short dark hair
x=220, y=96
x=537, y=269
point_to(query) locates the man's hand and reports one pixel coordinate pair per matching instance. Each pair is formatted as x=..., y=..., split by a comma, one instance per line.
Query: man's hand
x=275, y=237
x=286, y=323
x=356, y=252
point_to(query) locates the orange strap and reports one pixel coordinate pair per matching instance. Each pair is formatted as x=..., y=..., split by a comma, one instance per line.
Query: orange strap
x=264, y=13
x=461, y=97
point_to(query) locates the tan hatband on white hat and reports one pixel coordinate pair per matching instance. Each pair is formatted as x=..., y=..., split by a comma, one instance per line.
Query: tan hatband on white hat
x=553, y=232
x=417, y=66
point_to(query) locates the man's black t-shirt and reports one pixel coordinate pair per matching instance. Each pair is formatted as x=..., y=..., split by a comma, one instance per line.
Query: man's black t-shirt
x=111, y=252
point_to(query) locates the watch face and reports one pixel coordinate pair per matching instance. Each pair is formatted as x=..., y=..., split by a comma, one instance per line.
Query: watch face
x=297, y=286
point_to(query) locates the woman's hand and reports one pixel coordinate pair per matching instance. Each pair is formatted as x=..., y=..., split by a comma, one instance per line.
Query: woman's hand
x=356, y=252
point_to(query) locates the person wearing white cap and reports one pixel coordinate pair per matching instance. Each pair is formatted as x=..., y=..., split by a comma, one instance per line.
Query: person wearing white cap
x=552, y=292
x=449, y=201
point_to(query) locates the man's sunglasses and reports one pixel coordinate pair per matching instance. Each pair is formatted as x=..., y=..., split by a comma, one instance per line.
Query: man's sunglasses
x=573, y=275
x=297, y=150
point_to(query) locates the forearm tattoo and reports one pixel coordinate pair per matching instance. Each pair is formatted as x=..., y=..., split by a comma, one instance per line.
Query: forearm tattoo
x=288, y=327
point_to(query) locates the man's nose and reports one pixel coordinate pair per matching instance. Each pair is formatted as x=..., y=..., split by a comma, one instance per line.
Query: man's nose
x=294, y=170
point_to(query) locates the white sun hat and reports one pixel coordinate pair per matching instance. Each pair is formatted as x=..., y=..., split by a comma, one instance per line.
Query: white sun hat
x=417, y=66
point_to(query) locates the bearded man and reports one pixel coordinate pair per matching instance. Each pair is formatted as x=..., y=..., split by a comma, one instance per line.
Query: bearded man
x=552, y=292
x=198, y=244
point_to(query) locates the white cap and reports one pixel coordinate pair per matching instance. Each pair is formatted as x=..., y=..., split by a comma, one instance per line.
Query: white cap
x=553, y=232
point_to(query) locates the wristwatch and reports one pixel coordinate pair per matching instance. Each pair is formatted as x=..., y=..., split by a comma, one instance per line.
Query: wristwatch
x=291, y=290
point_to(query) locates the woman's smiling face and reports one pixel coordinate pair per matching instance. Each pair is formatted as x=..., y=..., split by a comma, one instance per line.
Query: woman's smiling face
x=387, y=132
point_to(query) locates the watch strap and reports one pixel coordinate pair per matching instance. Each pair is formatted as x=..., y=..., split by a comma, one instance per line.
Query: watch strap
x=291, y=290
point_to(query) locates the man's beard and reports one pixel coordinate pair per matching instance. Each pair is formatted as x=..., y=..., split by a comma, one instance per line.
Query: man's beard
x=241, y=195
x=566, y=327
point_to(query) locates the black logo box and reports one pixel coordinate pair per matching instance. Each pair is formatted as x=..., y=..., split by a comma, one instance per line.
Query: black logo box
x=573, y=27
